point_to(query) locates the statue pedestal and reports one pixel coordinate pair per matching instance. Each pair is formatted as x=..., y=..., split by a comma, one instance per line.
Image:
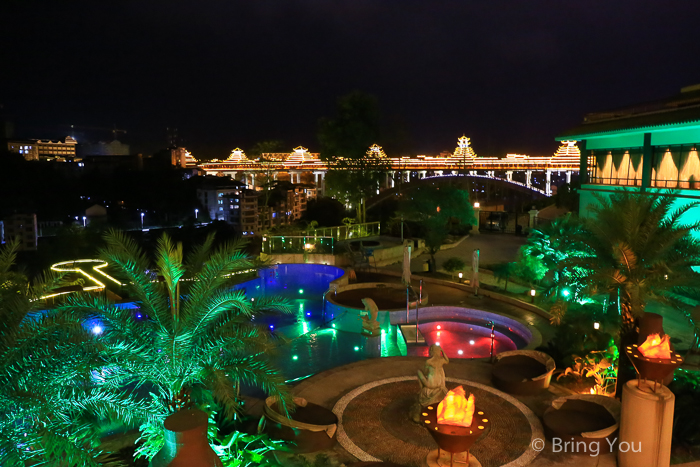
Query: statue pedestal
x=459, y=459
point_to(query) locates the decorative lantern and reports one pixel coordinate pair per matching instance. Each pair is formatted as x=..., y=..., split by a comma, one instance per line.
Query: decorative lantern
x=456, y=409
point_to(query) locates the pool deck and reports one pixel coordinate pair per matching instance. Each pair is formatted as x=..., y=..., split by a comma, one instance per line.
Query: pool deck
x=328, y=387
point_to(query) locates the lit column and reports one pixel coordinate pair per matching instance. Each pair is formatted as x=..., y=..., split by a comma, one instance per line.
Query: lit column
x=491, y=173
x=548, y=188
x=323, y=183
x=528, y=178
x=509, y=175
x=568, y=176
x=454, y=172
x=408, y=176
x=393, y=182
x=472, y=172
x=422, y=173
x=438, y=173
x=252, y=180
x=477, y=211
x=533, y=217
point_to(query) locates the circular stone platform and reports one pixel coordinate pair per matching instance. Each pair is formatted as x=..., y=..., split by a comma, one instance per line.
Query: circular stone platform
x=374, y=424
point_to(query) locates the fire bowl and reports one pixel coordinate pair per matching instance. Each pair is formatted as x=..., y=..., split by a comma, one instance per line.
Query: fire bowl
x=451, y=438
x=653, y=369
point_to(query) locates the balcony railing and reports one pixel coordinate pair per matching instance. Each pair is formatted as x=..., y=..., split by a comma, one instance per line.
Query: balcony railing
x=293, y=244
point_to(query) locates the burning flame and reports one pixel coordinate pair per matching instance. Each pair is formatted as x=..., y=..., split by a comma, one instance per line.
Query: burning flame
x=456, y=409
x=656, y=347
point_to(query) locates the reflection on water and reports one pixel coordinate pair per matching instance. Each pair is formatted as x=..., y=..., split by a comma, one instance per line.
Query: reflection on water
x=307, y=347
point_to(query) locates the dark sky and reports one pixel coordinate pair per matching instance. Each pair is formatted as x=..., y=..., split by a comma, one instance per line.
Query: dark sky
x=511, y=74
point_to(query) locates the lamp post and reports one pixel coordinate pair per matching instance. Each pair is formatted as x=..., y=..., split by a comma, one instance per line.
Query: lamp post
x=142, y=214
x=84, y=219
x=196, y=213
x=532, y=295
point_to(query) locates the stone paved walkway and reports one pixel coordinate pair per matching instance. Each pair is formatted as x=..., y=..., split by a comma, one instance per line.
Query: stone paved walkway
x=328, y=387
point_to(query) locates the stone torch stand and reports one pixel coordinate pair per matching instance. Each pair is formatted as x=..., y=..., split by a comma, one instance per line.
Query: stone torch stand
x=646, y=425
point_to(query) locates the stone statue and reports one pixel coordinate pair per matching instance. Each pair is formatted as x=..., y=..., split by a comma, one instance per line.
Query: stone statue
x=432, y=381
x=370, y=325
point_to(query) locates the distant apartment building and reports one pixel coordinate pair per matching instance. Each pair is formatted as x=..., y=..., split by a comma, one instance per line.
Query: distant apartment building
x=22, y=227
x=35, y=149
x=221, y=202
x=253, y=211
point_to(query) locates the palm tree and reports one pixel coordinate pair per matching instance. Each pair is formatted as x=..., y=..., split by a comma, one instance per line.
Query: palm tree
x=196, y=343
x=50, y=406
x=642, y=251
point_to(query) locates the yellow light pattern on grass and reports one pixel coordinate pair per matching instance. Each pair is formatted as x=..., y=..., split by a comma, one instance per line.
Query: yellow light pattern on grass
x=74, y=266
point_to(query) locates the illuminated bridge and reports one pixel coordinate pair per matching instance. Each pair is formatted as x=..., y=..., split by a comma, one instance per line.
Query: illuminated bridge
x=538, y=173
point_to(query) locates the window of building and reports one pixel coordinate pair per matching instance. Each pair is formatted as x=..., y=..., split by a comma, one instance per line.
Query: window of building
x=221, y=195
x=221, y=201
x=221, y=208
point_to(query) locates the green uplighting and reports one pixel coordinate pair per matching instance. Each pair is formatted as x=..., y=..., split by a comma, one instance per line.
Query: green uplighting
x=333, y=324
x=566, y=292
x=295, y=357
x=356, y=348
x=301, y=290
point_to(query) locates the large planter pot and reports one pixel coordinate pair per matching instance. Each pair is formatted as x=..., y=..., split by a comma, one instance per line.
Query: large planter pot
x=311, y=428
x=186, y=443
x=525, y=372
x=584, y=418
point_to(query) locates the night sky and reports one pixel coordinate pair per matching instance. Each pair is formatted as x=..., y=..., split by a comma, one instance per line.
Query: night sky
x=511, y=74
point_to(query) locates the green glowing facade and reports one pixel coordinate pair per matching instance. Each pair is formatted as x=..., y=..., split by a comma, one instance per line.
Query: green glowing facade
x=648, y=148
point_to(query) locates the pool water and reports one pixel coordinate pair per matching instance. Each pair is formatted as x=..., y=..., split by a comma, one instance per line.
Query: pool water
x=308, y=346
x=464, y=340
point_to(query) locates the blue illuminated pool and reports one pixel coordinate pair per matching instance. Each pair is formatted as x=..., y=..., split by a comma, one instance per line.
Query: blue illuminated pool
x=301, y=284
x=311, y=347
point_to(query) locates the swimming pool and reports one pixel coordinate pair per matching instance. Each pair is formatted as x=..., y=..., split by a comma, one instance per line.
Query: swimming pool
x=311, y=346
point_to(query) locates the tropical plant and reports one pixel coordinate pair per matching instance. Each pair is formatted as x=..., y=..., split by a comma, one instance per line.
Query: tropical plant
x=196, y=341
x=503, y=272
x=355, y=172
x=435, y=210
x=453, y=265
x=555, y=246
x=642, y=251
x=686, y=425
x=51, y=407
x=601, y=365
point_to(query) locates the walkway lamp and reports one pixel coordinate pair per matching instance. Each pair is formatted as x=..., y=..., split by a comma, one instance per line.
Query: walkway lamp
x=532, y=295
x=142, y=214
x=196, y=213
x=84, y=219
